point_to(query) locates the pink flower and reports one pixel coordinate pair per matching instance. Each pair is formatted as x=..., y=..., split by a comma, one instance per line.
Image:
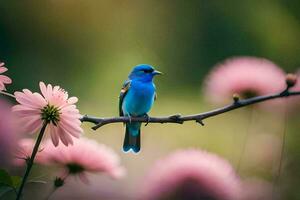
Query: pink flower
x=85, y=156
x=54, y=107
x=191, y=174
x=246, y=76
x=23, y=152
x=3, y=79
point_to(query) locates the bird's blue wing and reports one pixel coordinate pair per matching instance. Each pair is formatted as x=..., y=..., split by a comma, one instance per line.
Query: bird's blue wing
x=123, y=93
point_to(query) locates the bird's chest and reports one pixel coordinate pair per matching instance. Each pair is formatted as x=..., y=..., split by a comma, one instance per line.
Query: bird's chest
x=139, y=99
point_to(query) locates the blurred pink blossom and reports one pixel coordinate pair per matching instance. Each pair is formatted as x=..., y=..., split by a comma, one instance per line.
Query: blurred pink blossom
x=23, y=152
x=245, y=76
x=3, y=79
x=85, y=156
x=54, y=107
x=8, y=134
x=191, y=174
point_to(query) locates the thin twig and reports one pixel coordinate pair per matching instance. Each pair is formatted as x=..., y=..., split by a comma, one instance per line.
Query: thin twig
x=237, y=103
x=245, y=140
x=7, y=94
x=282, y=151
x=31, y=160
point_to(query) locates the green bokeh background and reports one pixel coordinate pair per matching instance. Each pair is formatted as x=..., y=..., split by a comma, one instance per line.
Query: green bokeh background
x=88, y=47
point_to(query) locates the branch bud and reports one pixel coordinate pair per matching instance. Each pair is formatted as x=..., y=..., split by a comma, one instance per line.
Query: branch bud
x=235, y=97
x=291, y=80
x=58, y=182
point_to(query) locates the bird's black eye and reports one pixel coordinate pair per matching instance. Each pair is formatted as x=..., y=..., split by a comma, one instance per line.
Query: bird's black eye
x=148, y=70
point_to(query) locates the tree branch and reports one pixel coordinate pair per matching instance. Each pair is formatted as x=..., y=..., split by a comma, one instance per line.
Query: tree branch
x=237, y=103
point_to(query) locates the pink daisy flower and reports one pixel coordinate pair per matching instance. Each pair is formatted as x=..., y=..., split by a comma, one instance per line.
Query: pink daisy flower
x=245, y=76
x=3, y=79
x=191, y=174
x=55, y=108
x=85, y=156
x=23, y=152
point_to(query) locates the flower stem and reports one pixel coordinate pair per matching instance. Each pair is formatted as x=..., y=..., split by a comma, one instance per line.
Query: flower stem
x=31, y=160
x=7, y=94
x=59, y=182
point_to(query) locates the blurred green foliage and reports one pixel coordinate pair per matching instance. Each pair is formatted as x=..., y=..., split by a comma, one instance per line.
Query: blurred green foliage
x=82, y=42
x=89, y=47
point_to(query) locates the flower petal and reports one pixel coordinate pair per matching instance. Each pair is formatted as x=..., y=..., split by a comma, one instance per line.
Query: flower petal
x=2, y=86
x=5, y=79
x=27, y=99
x=72, y=100
x=2, y=69
x=43, y=89
x=54, y=135
x=65, y=137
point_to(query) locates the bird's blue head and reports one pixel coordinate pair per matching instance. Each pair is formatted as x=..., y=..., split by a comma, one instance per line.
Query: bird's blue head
x=143, y=72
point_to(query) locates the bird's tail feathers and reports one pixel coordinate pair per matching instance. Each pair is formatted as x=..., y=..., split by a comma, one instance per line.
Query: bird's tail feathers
x=132, y=140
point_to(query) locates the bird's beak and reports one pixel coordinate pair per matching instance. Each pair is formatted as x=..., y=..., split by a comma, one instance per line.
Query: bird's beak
x=157, y=72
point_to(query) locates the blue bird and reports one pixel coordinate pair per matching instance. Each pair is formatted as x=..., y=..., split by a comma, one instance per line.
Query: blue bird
x=136, y=99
